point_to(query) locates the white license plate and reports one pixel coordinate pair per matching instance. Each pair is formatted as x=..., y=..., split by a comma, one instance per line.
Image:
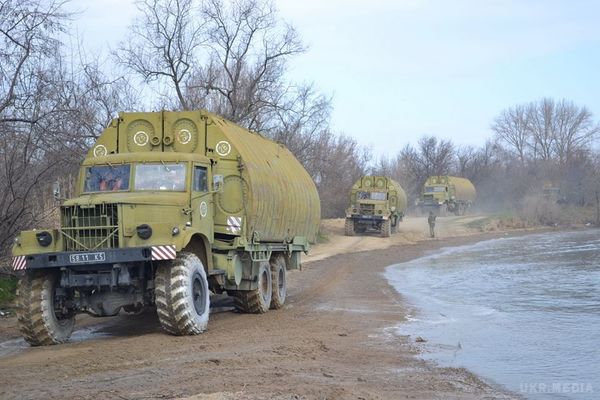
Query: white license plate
x=87, y=257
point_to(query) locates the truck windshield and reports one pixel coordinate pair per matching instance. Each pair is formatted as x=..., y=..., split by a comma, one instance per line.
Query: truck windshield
x=372, y=195
x=435, y=189
x=167, y=177
x=106, y=178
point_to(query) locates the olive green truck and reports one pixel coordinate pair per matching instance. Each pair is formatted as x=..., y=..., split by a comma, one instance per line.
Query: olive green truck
x=443, y=194
x=169, y=208
x=377, y=204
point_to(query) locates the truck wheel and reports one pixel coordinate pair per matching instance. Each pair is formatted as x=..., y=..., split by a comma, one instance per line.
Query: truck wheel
x=349, y=227
x=41, y=318
x=256, y=301
x=182, y=296
x=278, y=280
x=386, y=229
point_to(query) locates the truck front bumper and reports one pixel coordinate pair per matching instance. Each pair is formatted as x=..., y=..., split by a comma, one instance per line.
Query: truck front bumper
x=81, y=259
x=358, y=217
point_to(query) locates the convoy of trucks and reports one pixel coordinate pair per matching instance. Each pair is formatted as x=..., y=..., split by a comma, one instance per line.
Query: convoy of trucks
x=443, y=194
x=377, y=204
x=169, y=207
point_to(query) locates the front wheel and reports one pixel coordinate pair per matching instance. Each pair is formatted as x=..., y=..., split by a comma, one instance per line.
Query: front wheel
x=182, y=296
x=386, y=228
x=42, y=309
x=349, y=227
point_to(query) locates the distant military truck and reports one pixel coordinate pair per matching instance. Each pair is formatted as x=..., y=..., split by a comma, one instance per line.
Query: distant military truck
x=443, y=194
x=169, y=207
x=550, y=192
x=377, y=204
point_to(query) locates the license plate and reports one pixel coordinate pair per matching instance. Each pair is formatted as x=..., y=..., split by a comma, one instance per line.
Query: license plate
x=87, y=257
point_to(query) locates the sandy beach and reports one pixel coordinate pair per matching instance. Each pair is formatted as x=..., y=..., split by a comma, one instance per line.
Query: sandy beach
x=334, y=339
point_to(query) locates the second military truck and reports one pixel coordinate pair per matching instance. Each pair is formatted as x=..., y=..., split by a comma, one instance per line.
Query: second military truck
x=443, y=194
x=377, y=204
x=169, y=207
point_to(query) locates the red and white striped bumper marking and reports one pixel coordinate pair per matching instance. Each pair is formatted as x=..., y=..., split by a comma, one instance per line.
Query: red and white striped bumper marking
x=164, y=252
x=19, y=263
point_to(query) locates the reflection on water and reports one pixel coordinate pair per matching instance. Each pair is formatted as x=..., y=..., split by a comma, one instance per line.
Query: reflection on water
x=523, y=312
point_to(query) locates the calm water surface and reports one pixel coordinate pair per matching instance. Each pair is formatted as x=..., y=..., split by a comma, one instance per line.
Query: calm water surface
x=523, y=312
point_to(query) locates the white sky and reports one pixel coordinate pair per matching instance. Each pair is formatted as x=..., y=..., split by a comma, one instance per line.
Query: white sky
x=401, y=69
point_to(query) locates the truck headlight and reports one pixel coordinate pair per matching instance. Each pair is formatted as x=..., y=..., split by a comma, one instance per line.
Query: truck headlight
x=44, y=238
x=393, y=208
x=175, y=231
x=144, y=231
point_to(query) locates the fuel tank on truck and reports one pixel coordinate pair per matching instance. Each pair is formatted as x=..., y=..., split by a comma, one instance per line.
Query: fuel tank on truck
x=265, y=194
x=463, y=188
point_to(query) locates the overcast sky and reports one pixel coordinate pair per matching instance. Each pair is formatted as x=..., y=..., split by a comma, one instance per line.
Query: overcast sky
x=400, y=69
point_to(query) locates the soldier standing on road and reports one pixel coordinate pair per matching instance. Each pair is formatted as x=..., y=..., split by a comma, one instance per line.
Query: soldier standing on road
x=431, y=221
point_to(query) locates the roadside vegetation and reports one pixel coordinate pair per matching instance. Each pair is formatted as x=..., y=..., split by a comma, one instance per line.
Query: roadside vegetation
x=232, y=58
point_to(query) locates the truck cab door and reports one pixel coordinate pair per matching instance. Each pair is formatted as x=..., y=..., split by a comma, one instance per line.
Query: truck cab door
x=202, y=203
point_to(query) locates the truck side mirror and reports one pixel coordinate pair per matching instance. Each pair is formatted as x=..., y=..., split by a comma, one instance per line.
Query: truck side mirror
x=218, y=183
x=56, y=191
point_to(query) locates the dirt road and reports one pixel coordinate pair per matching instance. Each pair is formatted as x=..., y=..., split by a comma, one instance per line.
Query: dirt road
x=334, y=339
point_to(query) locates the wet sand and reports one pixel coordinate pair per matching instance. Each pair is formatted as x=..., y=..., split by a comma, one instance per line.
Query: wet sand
x=334, y=339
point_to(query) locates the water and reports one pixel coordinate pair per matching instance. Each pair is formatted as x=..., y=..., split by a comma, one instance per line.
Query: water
x=523, y=312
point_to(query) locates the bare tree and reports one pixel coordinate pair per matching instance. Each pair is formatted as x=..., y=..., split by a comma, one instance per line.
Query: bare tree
x=163, y=44
x=300, y=122
x=573, y=130
x=513, y=129
x=52, y=106
x=28, y=33
x=542, y=124
x=244, y=79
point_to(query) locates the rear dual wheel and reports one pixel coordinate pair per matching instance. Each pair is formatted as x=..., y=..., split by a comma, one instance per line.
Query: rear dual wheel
x=256, y=301
x=271, y=289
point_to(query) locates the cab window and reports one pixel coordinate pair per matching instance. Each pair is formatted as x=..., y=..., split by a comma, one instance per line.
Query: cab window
x=160, y=177
x=200, y=179
x=105, y=178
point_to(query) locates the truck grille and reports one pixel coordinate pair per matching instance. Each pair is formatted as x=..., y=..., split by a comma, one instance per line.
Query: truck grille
x=367, y=209
x=90, y=227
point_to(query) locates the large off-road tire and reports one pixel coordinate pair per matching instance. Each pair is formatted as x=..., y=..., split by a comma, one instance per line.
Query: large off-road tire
x=40, y=323
x=182, y=295
x=386, y=228
x=278, y=281
x=349, y=227
x=256, y=301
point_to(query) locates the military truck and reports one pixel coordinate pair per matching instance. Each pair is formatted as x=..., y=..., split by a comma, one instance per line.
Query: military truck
x=170, y=207
x=377, y=204
x=443, y=194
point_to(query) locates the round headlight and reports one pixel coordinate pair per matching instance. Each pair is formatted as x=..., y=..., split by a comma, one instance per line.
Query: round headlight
x=44, y=238
x=175, y=231
x=144, y=231
x=393, y=208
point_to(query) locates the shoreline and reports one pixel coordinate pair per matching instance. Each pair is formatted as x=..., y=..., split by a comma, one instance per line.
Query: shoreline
x=329, y=341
